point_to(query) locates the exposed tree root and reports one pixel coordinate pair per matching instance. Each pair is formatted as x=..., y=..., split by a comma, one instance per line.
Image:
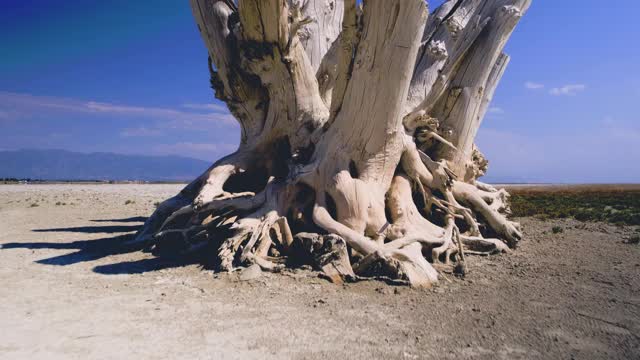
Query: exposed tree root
x=258, y=224
x=357, y=130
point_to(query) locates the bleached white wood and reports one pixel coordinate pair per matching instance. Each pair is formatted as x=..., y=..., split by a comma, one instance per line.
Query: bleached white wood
x=324, y=27
x=348, y=115
x=452, y=79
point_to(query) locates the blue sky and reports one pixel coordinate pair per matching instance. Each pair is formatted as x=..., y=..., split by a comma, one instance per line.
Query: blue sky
x=122, y=76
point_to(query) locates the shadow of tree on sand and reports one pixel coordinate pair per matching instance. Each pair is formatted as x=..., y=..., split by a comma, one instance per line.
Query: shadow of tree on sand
x=94, y=229
x=145, y=265
x=88, y=250
x=95, y=249
x=125, y=220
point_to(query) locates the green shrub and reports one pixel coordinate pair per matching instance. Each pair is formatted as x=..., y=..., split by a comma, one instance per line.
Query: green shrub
x=542, y=217
x=622, y=207
x=557, y=230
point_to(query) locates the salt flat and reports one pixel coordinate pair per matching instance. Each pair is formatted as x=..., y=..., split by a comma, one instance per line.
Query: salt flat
x=71, y=290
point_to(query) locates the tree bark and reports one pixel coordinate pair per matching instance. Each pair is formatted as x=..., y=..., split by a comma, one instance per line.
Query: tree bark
x=357, y=121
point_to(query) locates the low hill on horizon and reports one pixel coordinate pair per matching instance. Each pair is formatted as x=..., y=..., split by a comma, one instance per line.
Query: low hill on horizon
x=68, y=165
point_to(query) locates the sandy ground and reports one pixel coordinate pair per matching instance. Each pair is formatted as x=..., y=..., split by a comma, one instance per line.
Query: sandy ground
x=71, y=291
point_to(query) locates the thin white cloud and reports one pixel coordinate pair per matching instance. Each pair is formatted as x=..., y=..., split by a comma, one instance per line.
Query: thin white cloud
x=563, y=157
x=27, y=105
x=608, y=120
x=621, y=130
x=209, y=107
x=204, y=151
x=533, y=85
x=8, y=115
x=625, y=133
x=494, y=112
x=190, y=146
x=140, y=132
x=568, y=90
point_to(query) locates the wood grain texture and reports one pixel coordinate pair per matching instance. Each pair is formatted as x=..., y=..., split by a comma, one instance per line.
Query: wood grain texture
x=358, y=120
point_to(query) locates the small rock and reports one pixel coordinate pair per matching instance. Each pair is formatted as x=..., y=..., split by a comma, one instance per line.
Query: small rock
x=381, y=290
x=251, y=273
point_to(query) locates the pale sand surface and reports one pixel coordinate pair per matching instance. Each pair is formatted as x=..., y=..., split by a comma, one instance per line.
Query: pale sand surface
x=71, y=291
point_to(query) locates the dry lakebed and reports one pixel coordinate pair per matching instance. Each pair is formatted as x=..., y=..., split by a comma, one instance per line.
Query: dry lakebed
x=71, y=290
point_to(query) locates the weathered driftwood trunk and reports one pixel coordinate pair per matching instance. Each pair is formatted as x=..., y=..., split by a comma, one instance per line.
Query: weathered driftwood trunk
x=357, y=121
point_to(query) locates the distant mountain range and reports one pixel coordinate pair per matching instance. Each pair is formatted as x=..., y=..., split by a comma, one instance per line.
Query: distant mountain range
x=67, y=165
